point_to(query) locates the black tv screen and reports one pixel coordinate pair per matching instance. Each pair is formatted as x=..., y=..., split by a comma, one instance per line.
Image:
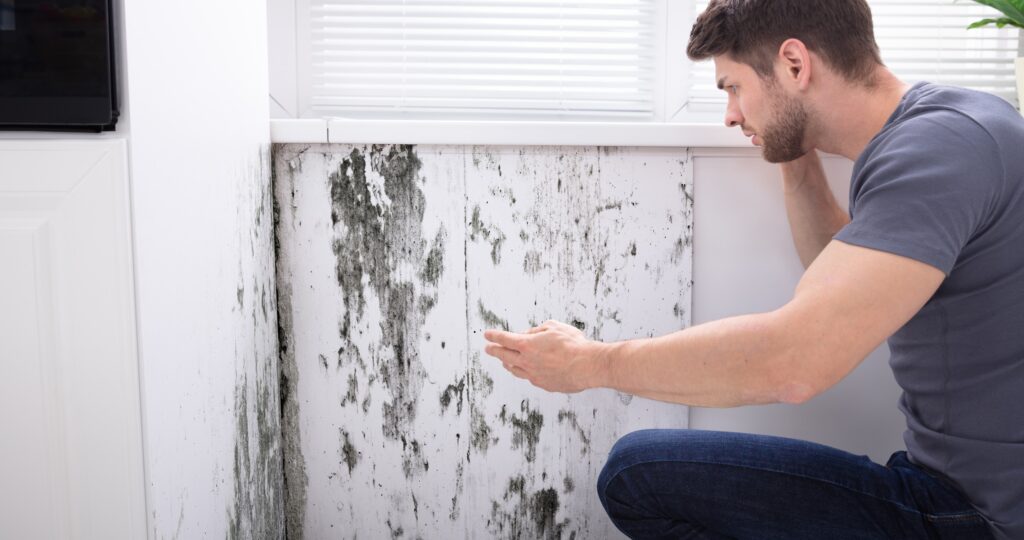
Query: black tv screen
x=57, y=65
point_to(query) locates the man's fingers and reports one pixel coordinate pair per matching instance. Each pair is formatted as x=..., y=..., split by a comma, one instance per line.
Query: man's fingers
x=514, y=370
x=508, y=340
x=507, y=356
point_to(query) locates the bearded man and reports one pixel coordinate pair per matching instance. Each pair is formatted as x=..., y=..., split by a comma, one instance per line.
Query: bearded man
x=930, y=258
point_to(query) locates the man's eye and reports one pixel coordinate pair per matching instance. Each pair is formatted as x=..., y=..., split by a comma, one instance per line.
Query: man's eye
x=733, y=89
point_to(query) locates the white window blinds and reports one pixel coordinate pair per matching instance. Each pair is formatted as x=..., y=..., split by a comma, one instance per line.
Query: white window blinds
x=478, y=58
x=920, y=40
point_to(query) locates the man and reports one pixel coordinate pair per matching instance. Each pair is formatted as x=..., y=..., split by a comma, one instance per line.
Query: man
x=930, y=258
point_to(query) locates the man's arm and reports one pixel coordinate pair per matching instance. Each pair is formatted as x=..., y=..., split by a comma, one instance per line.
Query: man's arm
x=814, y=215
x=848, y=302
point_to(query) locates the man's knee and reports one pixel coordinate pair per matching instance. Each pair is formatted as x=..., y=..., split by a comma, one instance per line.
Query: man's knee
x=627, y=451
x=659, y=445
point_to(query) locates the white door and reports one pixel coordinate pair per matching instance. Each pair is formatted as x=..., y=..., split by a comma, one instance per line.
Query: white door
x=70, y=435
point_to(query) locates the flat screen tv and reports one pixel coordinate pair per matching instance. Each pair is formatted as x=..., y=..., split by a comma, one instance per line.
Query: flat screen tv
x=57, y=68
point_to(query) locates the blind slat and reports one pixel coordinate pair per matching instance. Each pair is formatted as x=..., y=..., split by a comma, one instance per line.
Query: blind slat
x=561, y=57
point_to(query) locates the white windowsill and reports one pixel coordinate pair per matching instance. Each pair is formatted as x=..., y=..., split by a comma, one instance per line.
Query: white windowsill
x=457, y=132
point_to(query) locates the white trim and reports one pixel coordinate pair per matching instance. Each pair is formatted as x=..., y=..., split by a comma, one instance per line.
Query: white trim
x=284, y=79
x=505, y=133
x=676, y=67
x=304, y=130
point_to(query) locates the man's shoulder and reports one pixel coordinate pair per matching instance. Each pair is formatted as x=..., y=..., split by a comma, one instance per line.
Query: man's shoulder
x=948, y=125
x=941, y=114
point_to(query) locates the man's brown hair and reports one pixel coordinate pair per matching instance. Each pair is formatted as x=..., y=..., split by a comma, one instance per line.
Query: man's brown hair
x=751, y=32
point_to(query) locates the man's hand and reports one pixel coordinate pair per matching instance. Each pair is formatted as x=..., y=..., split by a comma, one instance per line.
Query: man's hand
x=554, y=356
x=814, y=215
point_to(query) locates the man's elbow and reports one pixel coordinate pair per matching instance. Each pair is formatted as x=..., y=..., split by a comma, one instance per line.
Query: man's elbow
x=795, y=392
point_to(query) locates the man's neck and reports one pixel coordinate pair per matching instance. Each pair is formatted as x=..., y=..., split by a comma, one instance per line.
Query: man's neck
x=850, y=116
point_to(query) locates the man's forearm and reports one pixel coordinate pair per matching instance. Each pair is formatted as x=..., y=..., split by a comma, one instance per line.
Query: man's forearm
x=814, y=215
x=730, y=362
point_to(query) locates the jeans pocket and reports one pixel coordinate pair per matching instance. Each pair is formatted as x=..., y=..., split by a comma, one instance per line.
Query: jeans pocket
x=959, y=526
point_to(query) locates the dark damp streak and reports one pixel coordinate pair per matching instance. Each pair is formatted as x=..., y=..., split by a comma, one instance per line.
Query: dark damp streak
x=491, y=234
x=377, y=240
x=490, y=319
x=295, y=479
x=453, y=513
x=352, y=394
x=525, y=429
x=564, y=415
x=523, y=514
x=349, y=455
x=453, y=391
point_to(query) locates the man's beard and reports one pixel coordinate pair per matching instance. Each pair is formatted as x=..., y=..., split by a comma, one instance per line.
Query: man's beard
x=784, y=138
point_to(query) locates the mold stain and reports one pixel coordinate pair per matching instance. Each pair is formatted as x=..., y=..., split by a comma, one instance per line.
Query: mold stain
x=377, y=209
x=570, y=417
x=525, y=429
x=352, y=394
x=455, y=392
x=487, y=233
x=349, y=455
x=490, y=319
x=522, y=514
x=257, y=509
x=532, y=263
x=388, y=265
x=481, y=435
x=294, y=464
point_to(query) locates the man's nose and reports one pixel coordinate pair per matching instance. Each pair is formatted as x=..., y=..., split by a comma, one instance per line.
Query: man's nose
x=733, y=117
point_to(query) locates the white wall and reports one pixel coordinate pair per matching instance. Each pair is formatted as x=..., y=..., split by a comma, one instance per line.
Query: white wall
x=393, y=260
x=745, y=262
x=196, y=81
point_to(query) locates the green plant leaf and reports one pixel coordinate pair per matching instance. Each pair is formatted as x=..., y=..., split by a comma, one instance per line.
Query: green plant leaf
x=1000, y=23
x=1013, y=9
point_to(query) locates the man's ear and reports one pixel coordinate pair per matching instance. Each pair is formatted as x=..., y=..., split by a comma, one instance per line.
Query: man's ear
x=795, y=63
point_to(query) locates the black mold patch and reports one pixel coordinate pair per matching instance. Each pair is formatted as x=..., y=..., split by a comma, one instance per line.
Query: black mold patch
x=479, y=229
x=351, y=396
x=526, y=430
x=526, y=515
x=532, y=262
x=453, y=513
x=413, y=462
x=456, y=392
x=258, y=510
x=433, y=267
x=480, y=387
x=373, y=240
x=490, y=318
x=349, y=456
x=258, y=507
x=565, y=415
x=295, y=479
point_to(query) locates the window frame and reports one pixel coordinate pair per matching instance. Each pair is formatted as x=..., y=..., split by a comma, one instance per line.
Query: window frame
x=672, y=123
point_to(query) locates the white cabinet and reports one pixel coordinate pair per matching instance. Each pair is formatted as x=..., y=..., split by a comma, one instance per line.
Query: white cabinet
x=70, y=433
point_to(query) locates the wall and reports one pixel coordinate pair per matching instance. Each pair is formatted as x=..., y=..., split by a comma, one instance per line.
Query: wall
x=196, y=81
x=744, y=262
x=391, y=262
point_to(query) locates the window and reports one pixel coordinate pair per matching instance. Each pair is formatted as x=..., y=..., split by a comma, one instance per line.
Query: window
x=566, y=59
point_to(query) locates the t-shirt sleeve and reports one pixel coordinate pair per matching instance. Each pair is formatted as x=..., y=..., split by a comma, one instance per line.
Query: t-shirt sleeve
x=925, y=190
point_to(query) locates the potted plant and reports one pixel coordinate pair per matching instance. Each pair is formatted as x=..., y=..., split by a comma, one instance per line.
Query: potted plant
x=1013, y=11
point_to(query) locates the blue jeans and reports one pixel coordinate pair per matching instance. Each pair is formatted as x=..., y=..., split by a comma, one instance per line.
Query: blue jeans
x=712, y=485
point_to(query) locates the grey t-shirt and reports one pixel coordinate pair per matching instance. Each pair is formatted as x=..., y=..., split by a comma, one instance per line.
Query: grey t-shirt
x=943, y=183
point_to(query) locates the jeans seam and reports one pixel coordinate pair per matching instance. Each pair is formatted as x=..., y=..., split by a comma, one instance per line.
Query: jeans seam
x=787, y=473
